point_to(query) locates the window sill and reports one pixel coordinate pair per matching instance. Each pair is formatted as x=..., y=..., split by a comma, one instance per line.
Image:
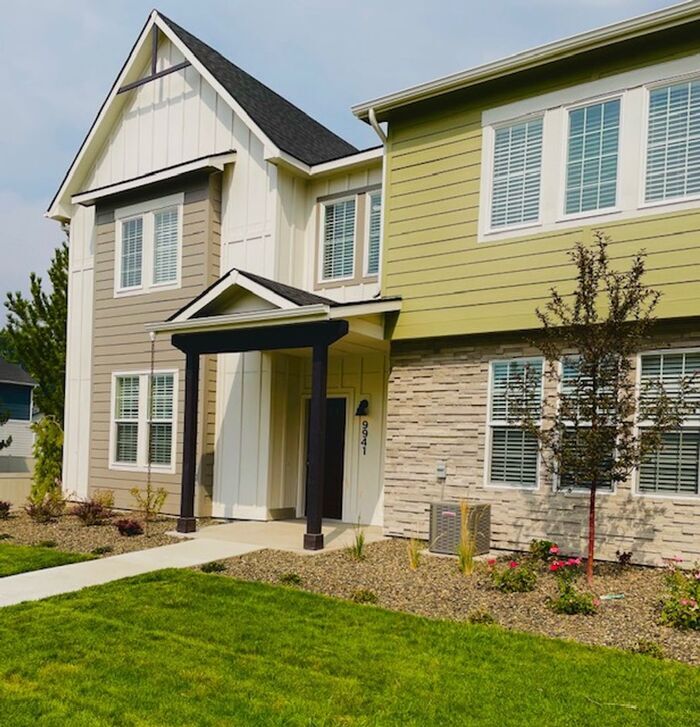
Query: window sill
x=126, y=467
x=509, y=486
x=145, y=290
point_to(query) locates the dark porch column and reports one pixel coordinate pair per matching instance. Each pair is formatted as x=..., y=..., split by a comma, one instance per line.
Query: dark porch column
x=313, y=538
x=186, y=522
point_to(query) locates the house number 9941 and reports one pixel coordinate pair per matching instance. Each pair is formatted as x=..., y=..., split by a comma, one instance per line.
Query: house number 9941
x=364, y=430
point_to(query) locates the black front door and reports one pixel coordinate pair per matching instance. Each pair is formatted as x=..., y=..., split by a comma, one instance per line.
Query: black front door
x=335, y=458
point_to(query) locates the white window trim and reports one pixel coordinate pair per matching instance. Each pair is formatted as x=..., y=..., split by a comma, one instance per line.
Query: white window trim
x=489, y=146
x=368, y=215
x=147, y=211
x=489, y=427
x=321, y=242
x=632, y=88
x=636, y=490
x=141, y=464
x=556, y=489
x=672, y=201
x=563, y=216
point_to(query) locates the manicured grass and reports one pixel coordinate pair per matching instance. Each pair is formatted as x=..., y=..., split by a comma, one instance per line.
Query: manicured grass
x=21, y=558
x=185, y=648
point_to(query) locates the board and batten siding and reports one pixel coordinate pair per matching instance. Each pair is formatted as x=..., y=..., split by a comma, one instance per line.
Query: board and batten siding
x=121, y=344
x=450, y=282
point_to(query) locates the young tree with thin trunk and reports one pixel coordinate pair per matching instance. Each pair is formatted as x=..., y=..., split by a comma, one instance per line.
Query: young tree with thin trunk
x=588, y=427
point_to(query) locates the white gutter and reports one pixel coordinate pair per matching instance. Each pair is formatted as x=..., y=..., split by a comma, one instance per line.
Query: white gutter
x=375, y=125
x=356, y=159
x=675, y=15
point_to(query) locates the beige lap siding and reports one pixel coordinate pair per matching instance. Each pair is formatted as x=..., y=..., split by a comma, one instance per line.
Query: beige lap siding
x=120, y=342
x=437, y=409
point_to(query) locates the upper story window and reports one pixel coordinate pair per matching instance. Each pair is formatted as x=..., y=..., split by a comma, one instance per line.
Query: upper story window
x=591, y=168
x=148, y=245
x=350, y=238
x=339, y=240
x=673, y=142
x=16, y=401
x=517, y=168
x=619, y=147
x=374, y=233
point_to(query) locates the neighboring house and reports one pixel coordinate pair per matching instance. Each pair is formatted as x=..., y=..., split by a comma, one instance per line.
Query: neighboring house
x=338, y=345
x=16, y=402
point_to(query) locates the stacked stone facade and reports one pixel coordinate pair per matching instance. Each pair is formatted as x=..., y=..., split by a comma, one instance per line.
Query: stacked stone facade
x=437, y=413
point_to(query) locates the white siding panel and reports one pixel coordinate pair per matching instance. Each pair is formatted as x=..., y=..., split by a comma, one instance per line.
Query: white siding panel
x=22, y=438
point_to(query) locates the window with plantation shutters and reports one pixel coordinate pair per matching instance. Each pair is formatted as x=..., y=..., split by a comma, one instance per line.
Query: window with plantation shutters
x=166, y=235
x=149, y=245
x=374, y=239
x=674, y=468
x=339, y=239
x=131, y=252
x=517, y=169
x=144, y=420
x=513, y=455
x=673, y=142
x=126, y=417
x=591, y=167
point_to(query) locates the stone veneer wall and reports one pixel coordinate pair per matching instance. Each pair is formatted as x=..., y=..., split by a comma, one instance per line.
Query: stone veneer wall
x=437, y=409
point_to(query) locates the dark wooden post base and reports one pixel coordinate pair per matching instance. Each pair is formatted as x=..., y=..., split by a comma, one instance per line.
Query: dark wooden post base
x=186, y=525
x=313, y=541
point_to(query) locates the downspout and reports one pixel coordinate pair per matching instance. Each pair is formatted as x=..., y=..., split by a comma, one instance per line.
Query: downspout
x=375, y=125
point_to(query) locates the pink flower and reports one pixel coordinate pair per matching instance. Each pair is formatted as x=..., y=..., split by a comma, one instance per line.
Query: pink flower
x=554, y=549
x=596, y=601
x=697, y=576
x=685, y=602
x=491, y=562
x=513, y=564
x=554, y=567
x=573, y=561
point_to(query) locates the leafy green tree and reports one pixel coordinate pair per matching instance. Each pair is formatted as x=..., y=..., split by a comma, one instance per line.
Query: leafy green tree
x=587, y=428
x=35, y=334
x=35, y=338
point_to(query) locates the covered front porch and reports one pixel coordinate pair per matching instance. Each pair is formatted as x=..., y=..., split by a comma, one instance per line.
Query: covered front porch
x=301, y=390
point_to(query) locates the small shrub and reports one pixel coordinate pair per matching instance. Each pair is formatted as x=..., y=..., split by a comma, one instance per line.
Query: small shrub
x=5, y=536
x=570, y=600
x=48, y=458
x=624, y=558
x=466, y=548
x=481, y=616
x=680, y=607
x=47, y=544
x=149, y=501
x=216, y=566
x=649, y=648
x=102, y=550
x=543, y=549
x=129, y=527
x=514, y=578
x=414, y=548
x=290, y=579
x=47, y=507
x=357, y=549
x=362, y=595
x=5, y=508
x=96, y=510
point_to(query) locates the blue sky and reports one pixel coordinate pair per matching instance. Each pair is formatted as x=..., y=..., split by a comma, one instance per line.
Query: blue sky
x=58, y=60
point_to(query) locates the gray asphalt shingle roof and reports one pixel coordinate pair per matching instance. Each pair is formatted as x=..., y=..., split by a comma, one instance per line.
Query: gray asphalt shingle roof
x=287, y=126
x=14, y=374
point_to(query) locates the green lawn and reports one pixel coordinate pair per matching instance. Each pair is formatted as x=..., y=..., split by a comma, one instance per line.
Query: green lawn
x=21, y=558
x=184, y=648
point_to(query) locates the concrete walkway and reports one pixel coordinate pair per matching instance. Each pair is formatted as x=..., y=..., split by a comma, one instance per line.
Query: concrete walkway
x=39, y=584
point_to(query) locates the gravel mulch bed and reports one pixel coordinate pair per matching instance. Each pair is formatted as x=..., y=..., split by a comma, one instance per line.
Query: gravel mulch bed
x=69, y=534
x=438, y=590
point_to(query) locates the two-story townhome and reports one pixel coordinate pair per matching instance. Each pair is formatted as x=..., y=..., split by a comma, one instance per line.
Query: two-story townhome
x=492, y=176
x=270, y=323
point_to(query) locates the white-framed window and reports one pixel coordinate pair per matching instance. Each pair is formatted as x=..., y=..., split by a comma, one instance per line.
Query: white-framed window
x=674, y=470
x=374, y=224
x=654, y=168
x=592, y=157
x=673, y=142
x=571, y=378
x=143, y=420
x=338, y=249
x=513, y=453
x=516, y=174
x=148, y=245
